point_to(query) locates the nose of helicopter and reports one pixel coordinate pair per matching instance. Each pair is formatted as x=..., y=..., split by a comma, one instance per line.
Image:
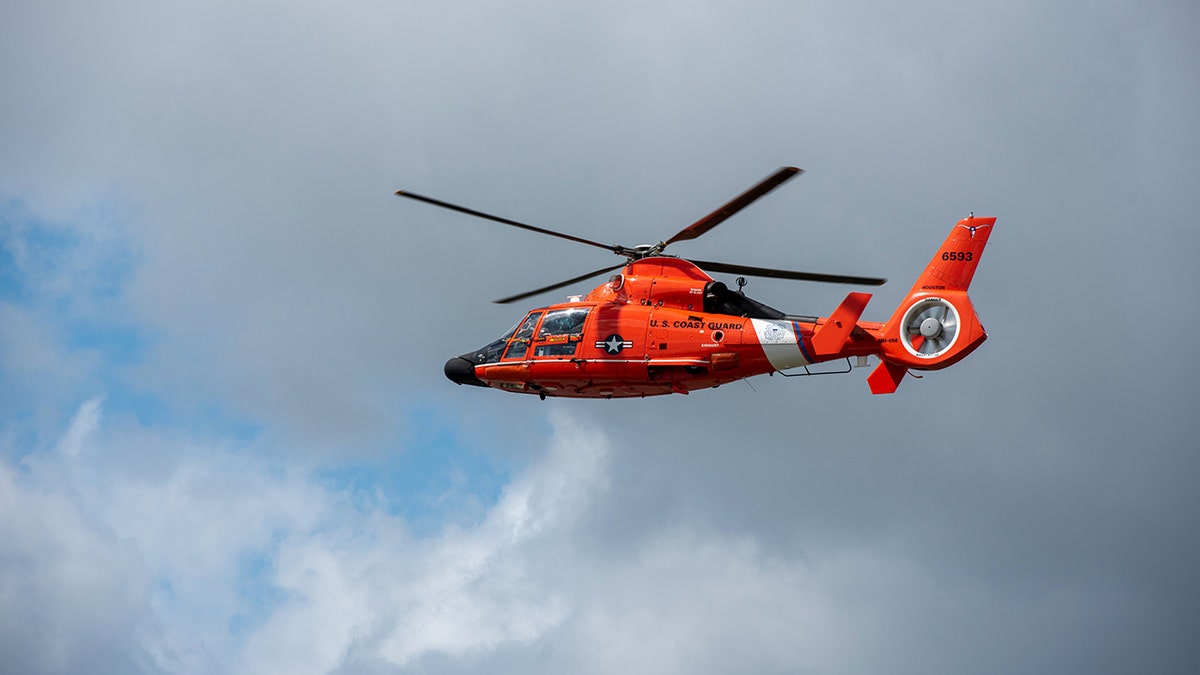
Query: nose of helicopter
x=461, y=371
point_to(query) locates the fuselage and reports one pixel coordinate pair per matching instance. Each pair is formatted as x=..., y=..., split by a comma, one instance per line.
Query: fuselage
x=661, y=326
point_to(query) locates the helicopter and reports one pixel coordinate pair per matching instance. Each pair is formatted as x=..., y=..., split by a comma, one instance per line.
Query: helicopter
x=661, y=325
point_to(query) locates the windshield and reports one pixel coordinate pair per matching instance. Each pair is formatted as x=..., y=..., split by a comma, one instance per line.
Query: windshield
x=519, y=343
x=491, y=353
x=560, y=333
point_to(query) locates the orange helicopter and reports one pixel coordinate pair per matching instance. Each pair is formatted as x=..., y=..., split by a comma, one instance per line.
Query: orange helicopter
x=662, y=325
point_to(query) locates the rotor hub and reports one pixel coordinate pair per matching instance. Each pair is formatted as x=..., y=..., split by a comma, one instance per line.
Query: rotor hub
x=646, y=250
x=931, y=328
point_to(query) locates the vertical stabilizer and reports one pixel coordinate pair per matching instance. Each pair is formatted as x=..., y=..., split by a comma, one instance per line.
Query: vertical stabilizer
x=953, y=266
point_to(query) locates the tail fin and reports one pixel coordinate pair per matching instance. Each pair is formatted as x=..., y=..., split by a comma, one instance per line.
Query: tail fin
x=936, y=325
x=954, y=264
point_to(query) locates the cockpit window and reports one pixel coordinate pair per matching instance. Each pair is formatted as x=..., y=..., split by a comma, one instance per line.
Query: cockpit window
x=494, y=349
x=519, y=344
x=509, y=333
x=561, y=331
x=564, y=322
x=491, y=353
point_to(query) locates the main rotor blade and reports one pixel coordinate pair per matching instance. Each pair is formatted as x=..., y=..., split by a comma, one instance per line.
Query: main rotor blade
x=568, y=282
x=737, y=204
x=506, y=221
x=786, y=274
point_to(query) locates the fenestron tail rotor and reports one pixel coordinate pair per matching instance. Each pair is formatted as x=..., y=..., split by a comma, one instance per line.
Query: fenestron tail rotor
x=929, y=328
x=692, y=231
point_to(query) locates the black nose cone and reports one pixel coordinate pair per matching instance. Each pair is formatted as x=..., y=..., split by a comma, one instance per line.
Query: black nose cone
x=462, y=371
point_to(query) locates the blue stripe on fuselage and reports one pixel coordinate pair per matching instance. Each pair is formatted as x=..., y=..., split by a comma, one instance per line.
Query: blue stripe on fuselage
x=800, y=341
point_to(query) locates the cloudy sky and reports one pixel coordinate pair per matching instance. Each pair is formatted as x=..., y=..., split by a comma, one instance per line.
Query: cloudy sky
x=226, y=444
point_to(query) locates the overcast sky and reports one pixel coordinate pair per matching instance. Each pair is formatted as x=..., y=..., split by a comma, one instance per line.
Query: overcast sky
x=226, y=443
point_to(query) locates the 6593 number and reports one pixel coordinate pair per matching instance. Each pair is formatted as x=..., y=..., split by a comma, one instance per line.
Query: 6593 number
x=957, y=255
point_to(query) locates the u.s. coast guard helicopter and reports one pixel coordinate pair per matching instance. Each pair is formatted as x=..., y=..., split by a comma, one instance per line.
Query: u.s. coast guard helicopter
x=662, y=325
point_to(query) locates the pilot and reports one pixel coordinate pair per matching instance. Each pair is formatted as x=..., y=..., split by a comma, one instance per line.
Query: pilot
x=569, y=322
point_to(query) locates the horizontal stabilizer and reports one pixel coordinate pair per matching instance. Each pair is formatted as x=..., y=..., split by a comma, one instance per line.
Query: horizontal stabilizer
x=830, y=337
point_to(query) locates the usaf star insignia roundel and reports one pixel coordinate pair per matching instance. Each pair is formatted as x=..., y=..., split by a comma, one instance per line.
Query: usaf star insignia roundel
x=613, y=344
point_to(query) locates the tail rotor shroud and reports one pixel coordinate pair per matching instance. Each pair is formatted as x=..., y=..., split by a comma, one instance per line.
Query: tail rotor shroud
x=930, y=328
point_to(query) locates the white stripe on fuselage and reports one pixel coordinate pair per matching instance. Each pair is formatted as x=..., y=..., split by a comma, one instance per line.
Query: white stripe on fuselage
x=780, y=343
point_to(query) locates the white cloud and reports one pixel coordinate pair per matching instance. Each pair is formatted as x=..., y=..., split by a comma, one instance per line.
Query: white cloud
x=325, y=582
x=222, y=561
x=72, y=589
x=83, y=426
x=381, y=595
